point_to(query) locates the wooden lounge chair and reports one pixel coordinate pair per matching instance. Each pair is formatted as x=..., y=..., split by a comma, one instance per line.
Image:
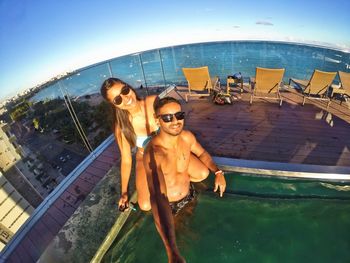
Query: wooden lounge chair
x=199, y=80
x=317, y=87
x=267, y=81
x=344, y=89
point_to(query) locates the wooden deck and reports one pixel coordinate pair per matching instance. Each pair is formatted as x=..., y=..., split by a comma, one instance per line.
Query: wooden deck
x=264, y=131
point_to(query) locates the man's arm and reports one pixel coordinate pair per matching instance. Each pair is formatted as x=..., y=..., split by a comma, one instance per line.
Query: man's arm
x=204, y=156
x=161, y=211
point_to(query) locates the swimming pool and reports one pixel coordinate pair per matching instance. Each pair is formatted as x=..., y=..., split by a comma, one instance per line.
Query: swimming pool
x=260, y=219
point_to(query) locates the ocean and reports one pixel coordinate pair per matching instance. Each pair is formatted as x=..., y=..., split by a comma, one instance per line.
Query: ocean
x=162, y=67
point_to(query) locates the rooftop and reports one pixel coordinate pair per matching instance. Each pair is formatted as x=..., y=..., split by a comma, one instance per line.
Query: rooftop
x=304, y=136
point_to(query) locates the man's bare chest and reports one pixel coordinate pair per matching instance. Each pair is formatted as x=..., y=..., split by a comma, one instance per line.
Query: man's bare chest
x=176, y=161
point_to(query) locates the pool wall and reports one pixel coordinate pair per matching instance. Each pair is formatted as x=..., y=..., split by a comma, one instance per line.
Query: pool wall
x=291, y=170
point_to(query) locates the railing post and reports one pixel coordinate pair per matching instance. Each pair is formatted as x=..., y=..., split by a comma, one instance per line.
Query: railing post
x=143, y=73
x=110, y=69
x=161, y=66
x=75, y=119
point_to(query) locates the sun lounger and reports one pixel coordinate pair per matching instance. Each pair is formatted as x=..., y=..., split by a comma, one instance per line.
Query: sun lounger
x=267, y=81
x=199, y=80
x=317, y=87
x=344, y=89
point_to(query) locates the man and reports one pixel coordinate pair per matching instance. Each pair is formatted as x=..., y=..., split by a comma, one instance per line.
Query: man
x=167, y=160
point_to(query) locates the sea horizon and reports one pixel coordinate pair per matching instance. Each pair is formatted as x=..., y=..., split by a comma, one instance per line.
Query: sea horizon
x=316, y=44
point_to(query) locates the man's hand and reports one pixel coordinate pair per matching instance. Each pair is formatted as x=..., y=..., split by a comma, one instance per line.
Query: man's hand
x=220, y=182
x=123, y=202
x=176, y=258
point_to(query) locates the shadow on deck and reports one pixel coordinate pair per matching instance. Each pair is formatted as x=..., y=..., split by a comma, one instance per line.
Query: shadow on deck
x=264, y=131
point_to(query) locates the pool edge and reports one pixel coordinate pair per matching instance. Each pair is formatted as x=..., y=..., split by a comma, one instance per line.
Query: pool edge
x=304, y=171
x=289, y=170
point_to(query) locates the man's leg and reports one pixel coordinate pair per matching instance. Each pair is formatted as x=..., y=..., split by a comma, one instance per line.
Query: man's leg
x=197, y=170
x=143, y=196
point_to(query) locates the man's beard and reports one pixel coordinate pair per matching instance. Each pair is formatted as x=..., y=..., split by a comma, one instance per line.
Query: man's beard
x=172, y=132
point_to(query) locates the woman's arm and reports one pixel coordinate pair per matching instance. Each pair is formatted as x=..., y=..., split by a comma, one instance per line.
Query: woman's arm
x=125, y=167
x=151, y=125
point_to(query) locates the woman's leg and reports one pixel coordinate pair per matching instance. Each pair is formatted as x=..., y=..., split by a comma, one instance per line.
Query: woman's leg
x=197, y=170
x=143, y=197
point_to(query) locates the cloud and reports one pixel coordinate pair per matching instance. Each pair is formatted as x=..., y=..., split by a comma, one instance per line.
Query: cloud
x=208, y=9
x=264, y=23
x=236, y=26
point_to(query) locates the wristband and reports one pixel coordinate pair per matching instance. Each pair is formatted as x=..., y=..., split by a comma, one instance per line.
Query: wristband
x=218, y=171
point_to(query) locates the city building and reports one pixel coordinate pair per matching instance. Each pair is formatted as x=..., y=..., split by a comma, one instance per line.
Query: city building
x=10, y=150
x=14, y=211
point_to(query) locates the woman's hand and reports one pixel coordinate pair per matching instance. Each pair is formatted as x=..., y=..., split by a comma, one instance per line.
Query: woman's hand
x=123, y=202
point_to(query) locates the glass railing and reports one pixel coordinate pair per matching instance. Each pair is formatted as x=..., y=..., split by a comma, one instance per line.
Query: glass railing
x=68, y=118
x=151, y=71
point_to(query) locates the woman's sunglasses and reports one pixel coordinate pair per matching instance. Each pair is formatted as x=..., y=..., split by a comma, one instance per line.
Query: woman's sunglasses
x=118, y=99
x=169, y=117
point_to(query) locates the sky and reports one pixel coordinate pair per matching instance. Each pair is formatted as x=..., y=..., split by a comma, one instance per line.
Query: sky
x=40, y=39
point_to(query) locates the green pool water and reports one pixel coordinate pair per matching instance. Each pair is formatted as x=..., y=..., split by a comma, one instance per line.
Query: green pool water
x=258, y=220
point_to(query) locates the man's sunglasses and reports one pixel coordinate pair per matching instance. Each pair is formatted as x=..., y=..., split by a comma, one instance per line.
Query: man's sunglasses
x=169, y=117
x=118, y=99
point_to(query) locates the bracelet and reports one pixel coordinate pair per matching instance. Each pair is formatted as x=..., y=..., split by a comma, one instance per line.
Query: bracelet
x=218, y=171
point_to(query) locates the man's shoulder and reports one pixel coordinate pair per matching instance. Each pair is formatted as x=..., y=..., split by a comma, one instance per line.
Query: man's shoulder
x=155, y=144
x=154, y=140
x=155, y=151
x=186, y=133
x=187, y=136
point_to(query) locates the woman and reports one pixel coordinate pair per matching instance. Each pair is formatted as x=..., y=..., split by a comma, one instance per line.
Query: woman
x=134, y=124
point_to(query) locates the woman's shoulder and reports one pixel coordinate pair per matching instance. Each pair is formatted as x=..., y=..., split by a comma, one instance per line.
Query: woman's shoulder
x=150, y=100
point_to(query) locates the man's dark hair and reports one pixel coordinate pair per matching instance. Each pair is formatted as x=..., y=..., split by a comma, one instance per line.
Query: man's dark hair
x=160, y=102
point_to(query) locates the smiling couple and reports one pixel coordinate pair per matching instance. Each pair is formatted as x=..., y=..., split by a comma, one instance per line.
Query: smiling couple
x=165, y=163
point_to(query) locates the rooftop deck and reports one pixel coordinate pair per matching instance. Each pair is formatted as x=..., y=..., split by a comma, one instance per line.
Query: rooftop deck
x=262, y=131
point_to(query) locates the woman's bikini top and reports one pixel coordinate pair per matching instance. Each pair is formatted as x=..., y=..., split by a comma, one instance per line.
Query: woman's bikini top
x=141, y=141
